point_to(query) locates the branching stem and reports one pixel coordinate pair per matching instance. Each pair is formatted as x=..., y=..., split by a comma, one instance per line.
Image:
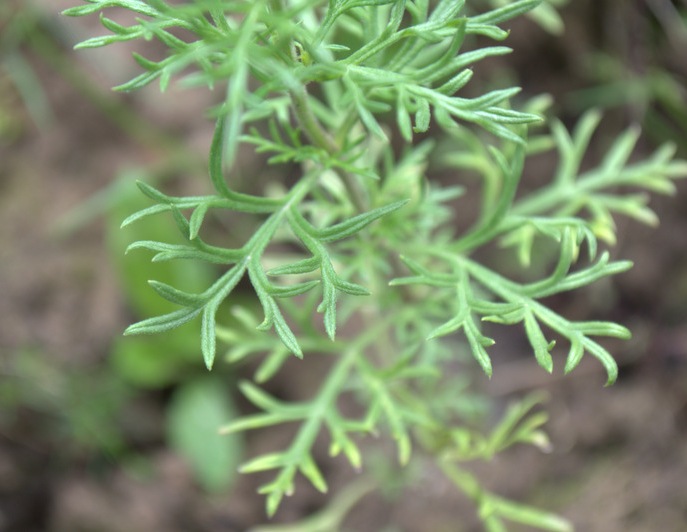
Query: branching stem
x=322, y=139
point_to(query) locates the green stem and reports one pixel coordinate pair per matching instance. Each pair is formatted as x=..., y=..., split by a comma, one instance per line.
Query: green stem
x=543, y=201
x=308, y=121
x=325, y=399
x=463, y=480
x=317, y=134
x=322, y=139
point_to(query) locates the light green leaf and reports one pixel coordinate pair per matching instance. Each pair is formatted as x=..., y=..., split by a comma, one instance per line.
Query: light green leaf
x=163, y=323
x=355, y=224
x=310, y=471
x=175, y=295
x=422, y=117
x=264, y=462
x=97, y=5
x=301, y=266
x=527, y=515
x=507, y=12
x=539, y=343
x=196, y=411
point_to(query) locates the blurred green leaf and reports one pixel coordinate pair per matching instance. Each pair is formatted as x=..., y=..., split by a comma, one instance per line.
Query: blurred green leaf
x=197, y=410
x=154, y=361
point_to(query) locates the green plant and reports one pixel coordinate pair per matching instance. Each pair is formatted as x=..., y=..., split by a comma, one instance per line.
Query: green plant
x=341, y=95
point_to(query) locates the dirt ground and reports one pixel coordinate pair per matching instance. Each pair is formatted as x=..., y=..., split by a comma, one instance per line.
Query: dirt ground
x=80, y=453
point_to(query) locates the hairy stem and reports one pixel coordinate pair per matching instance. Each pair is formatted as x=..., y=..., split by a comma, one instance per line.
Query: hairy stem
x=322, y=139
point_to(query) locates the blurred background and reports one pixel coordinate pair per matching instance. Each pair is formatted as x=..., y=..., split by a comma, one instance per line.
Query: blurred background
x=99, y=432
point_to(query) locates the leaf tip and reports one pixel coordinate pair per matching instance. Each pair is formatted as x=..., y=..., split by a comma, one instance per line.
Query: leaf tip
x=612, y=378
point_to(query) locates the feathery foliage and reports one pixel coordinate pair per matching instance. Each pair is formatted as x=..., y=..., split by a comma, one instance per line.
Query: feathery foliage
x=332, y=89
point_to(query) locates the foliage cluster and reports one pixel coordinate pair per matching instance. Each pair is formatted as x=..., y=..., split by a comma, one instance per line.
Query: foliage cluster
x=342, y=95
